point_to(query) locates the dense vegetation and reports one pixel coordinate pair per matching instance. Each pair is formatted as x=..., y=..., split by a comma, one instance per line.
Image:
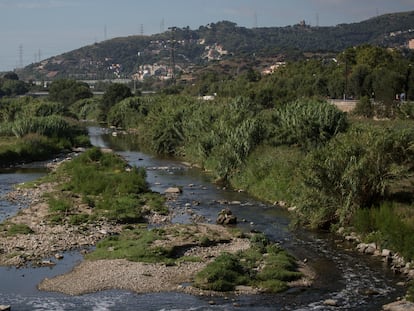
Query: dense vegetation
x=10, y=85
x=106, y=188
x=230, y=270
x=43, y=128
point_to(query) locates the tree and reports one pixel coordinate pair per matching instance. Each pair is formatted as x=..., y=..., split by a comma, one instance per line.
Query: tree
x=113, y=95
x=67, y=91
x=11, y=76
x=353, y=171
x=14, y=87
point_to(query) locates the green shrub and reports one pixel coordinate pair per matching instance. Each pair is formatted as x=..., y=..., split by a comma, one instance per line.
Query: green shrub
x=60, y=205
x=78, y=219
x=265, y=265
x=307, y=123
x=272, y=173
x=133, y=245
x=386, y=227
x=125, y=209
x=354, y=170
x=15, y=229
x=223, y=274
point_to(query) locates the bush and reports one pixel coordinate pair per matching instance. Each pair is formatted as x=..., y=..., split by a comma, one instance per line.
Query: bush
x=15, y=229
x=387, y=227
x=364, y=108
x=223, y=274
x=352, y=171
x=306, y=123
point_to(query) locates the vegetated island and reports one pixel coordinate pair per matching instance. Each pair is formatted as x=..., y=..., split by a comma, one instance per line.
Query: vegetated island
x=98, y=199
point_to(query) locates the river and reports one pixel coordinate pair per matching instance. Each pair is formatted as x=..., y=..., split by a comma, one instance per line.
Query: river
x=354, y=281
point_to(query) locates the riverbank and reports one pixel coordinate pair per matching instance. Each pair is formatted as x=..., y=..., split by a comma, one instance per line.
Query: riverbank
x=46, y=242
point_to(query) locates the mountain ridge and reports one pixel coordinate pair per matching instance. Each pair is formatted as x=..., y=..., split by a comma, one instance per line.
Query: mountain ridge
x=137, y=56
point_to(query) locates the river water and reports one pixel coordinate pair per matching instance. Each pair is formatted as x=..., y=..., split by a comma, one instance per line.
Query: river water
x=354, y=281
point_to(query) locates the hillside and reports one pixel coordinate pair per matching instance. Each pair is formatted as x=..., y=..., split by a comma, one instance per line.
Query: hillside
x=153, y=55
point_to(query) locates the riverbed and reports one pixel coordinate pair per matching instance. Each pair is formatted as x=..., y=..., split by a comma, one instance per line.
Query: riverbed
x=352, y=280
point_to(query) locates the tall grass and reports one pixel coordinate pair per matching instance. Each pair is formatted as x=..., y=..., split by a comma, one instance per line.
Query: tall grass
x=387, y=227
x=271, y=173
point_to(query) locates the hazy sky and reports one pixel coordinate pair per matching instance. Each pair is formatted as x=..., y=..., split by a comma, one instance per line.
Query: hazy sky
x=37, y=29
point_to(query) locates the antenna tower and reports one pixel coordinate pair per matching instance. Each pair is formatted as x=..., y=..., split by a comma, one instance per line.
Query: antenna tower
x=317, y=19
x=141, y=30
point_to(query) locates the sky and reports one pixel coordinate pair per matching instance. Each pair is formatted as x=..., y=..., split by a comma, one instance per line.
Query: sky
x=32, y=30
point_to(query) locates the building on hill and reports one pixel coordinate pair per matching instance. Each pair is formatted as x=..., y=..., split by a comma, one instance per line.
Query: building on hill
x=411, y=44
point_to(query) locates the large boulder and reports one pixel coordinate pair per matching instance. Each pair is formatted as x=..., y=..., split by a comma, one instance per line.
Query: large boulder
x=226, y=217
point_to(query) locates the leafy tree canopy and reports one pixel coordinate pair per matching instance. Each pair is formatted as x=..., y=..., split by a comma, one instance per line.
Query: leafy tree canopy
x=69, y=91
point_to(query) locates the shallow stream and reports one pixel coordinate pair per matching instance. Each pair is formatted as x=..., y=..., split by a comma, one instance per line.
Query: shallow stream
x=354, y=281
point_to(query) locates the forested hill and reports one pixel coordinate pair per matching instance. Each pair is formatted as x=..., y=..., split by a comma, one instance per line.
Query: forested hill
x=121, y=57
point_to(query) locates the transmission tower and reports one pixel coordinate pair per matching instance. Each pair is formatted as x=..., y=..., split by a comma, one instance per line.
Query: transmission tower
x=20, y=56
x=162, y=26
x=141, y=30
x=255, y=20
x=172, y=57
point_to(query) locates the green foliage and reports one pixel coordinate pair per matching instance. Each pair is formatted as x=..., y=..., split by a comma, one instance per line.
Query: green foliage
x=128, y=112
x=68, y=91
x=364, y=108
x=10, y=85
x=51, y=126
x=113, y=190
x=78, y=219
x=32, y=147
x=264, y=265
x=87, y=109
x=131, y=244
x=410, y=292
x=306, y=123
x=222, y=274
x=354, y=170
x=113, y=95
x=41, y=127
x=124, y=210
x=272, y=173
x=12, y=229
x=387, y=227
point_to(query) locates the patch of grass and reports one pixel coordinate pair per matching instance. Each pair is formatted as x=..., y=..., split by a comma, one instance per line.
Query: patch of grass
x=222, y=275
x=78, y=219
x=264, y=265
x=12, y=229
x=133, y=245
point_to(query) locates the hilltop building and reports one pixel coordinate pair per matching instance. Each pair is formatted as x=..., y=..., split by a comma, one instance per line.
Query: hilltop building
x=411, y=44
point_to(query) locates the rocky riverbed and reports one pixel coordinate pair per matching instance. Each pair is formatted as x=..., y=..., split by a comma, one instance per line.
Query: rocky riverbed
x=46, y=240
